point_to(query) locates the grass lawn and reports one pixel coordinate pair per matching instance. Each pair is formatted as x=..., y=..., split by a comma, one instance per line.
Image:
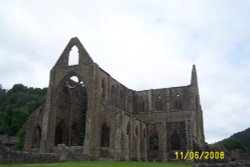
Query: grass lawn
x=103, y=164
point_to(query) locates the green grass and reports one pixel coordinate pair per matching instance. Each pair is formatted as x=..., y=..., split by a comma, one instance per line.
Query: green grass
x=102, y=164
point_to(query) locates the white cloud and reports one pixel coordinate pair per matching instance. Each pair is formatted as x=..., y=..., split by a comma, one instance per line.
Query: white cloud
x=143, y=44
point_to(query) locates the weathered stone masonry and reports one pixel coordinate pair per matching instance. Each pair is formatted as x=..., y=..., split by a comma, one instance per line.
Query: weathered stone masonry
x=87, y=108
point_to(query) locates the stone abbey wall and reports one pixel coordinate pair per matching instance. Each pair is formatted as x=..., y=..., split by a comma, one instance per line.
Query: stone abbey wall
x=87, y=108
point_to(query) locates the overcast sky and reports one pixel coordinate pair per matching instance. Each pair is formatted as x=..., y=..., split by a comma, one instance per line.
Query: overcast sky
x=144, y=44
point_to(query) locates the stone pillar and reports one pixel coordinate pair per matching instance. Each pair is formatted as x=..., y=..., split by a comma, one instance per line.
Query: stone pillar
x=149, y=100
x=118, y=135
x=46, y=117
x=139, y=143
x=188, y=132
x=164, y=142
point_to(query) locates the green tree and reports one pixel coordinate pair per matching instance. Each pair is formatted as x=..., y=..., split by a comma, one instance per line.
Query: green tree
x=20, y=141
x=16, y=105
x=231, y=144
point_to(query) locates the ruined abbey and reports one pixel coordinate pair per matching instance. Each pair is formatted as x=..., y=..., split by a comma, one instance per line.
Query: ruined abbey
x=89, y=111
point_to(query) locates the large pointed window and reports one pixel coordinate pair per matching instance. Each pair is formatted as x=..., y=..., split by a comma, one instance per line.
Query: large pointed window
x=72, y=100
x=73, y=56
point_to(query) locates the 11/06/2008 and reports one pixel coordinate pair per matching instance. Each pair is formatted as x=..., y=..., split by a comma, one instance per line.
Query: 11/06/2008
x=196, y=155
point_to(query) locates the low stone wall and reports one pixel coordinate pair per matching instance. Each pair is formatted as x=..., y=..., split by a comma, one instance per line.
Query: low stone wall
x=8, y=156
x=73, y=153
x=61, y=153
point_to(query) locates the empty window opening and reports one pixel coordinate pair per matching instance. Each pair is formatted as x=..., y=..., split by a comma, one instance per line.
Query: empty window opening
x=73, y=56
x=128, y=133
x=36, y=138
x=122, y=99
x=154, y=142
x=113, y=94
x=175, y=141
x=159, y=103
x=74, y=82
x=141, y=105
x=83, y=113
x=128, y=129
x=105, y=136
x=103, y=89
x=178, y=103
x=82, y=83
x=75, y=135
x=61, y=134
x=75, y=79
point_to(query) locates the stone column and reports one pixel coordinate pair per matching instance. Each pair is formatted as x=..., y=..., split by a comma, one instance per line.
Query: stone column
x=188, y=132
x=118, y=135
x=164, y=142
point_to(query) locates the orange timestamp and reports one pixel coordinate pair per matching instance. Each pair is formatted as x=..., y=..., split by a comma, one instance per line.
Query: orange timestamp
x=200, y=155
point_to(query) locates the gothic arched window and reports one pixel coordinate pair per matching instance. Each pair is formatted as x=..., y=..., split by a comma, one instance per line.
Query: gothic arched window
x=113, y=94
x=73, y=56
x=122, y=99
x=178, y=103
x=159, y=103
x=103, y=89
x=73, y=100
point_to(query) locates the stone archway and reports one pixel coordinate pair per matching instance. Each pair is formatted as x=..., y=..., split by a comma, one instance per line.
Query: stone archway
x=72, y=106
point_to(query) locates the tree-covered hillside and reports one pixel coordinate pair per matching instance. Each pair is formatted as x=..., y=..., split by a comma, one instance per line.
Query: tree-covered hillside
x=244, y=137
x=16, y=105
x=240, y=140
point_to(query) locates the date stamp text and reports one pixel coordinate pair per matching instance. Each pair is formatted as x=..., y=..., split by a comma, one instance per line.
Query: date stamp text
x=199, y=155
